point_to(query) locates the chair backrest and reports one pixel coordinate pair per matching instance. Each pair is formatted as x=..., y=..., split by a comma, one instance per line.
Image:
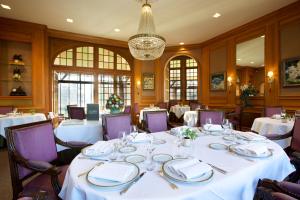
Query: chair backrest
x=113, y=124
x=127, y=109
x=238, y=110
x=162, y=105
x=76, y=113
x=297, y=113
x=215, y=115
x=68, y=108
x=33, y=141
x=136, y=109
x=270, y=111
x=194, y=105
x=156, y=121
x=295, y=143
x=6, y=109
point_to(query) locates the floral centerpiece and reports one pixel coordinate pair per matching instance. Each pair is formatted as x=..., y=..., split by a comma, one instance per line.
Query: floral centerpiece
x=188, y=136
x=114, y=103
x=247, y=90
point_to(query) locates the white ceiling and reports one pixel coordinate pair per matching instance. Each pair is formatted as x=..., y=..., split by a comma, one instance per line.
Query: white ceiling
x=251, y=53
x=188, y=21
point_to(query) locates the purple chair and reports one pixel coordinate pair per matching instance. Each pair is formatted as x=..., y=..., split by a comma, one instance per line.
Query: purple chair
x=113, y=124
x=162, y=105
x=194, y=105
x=156, y=121
x=127, y=110
x=270, y=111
x=31, y=148
x=6, y=109
x=76, y=113
x=216, y=116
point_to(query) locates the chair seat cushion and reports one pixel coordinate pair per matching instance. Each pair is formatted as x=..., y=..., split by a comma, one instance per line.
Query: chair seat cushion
x=43, y=182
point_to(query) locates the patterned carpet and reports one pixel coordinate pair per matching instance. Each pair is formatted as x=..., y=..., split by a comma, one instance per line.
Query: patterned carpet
x=5, y=183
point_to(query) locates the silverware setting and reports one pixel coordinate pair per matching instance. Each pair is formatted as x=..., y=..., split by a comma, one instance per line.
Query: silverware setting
x=172, y=185
x=87, y=158
x=216, y=168
x=132, y=183
x=84, y=173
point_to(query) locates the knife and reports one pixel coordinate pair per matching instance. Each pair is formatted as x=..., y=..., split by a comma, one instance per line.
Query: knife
x=132, y=183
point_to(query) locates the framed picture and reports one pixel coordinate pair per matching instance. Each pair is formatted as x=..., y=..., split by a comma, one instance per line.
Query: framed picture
x=148, y=81
x=290, y=72
x=217, y=81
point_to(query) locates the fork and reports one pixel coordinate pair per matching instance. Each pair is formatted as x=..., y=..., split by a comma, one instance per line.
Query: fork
x=172, y=185
x=216, y=168
x=83, y=173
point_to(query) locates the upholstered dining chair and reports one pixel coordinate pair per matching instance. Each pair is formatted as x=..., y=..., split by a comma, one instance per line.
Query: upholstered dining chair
x=156, y=121
x=127, y=109
x=136, y=112
x=162, y=105
x=194, y=105
x=270, y=111
x=32, y=157
x=215, y=115
x=113, y=124
x=6, y=109
x=235, y=117
x=76, y=113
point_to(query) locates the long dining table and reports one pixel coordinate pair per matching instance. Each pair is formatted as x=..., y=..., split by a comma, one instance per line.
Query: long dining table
x=238, y=183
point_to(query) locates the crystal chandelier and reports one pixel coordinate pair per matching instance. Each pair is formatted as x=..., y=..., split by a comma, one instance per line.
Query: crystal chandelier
x=146, y=44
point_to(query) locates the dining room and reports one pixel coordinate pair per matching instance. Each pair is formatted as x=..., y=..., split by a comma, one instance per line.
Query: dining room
x=150, y=99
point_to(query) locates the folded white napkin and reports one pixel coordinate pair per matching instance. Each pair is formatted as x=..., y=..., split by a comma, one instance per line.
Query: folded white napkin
x=99, y=148
x=252, y=148
x=276, y=116
x=142, y=137
x=190, y=168
x=212, y=127
x=250, y=136
x=113, y=172
x=72, y=122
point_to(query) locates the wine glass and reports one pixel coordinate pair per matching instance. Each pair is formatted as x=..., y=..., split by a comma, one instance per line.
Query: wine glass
x=208, y=120
x=225, y=125
x=123, y=138
x=150, y=149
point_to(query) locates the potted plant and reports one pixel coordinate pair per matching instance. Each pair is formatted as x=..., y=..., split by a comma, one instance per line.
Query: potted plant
x=246, y=91
x=188, y=136
x=114, y=104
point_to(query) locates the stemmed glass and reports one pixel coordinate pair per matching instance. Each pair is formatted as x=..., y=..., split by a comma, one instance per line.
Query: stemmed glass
x=150, y=149
x=179, y=144
x=208, y=123
x=225, y=125
x=123, y=138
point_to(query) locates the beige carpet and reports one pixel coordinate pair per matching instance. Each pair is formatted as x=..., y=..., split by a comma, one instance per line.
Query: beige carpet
x=5, y=183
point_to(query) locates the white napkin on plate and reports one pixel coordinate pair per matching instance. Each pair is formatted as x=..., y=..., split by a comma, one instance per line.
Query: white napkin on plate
x=190, y=168
x=250, y=136
x=256, y=149
x=100, y=147
x=142, y=137
x=113, y=172
x=212, y=127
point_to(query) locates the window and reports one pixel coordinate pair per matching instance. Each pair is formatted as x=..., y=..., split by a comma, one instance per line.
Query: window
x=105, y=73
x=183, y=78
x=74, y=89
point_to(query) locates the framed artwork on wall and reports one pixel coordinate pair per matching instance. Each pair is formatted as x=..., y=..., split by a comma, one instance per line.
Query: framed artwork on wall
x=217, y=81
x=148, y=81
x=290, y=72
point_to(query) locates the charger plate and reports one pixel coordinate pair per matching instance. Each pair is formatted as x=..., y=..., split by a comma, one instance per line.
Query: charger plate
x=233, y=148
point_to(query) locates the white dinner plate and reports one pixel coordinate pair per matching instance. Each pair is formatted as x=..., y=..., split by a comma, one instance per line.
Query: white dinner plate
x=169, y=174
x=159, y=141
x=218, y=146
x=111, y=184
x=161, y=157
x=136, y=158
x=127, y=149
x=232, y=148
x=229, y=138
x=95, y=155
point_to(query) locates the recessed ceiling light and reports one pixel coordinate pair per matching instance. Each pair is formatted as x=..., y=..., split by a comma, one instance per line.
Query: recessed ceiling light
x=117, y=30
x=69, y=20
x=181, y=43
x=6, y=7
x=252, y=62
x=216, y=15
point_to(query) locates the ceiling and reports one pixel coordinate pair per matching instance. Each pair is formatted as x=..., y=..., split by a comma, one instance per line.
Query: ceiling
x=188, y=21
x=251, y=53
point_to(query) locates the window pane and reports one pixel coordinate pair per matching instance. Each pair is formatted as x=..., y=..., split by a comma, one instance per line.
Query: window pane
x=105, y=89
x=122, y=64
x=124, y=88
x=65, y=58
x=106, y=59
x=84, y=56
x=191, y=84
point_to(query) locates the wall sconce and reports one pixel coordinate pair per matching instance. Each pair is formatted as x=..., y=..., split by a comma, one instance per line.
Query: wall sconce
x=270, y=76
x=229, y=81
x=138, y=86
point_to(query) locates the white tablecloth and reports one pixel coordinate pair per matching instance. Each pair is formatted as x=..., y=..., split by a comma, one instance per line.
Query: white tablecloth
x=190, y=118
x=266, y=125
x=8, y=121
x=239, y=183
x=148, y=109
x=79, y=130
x=179, y=110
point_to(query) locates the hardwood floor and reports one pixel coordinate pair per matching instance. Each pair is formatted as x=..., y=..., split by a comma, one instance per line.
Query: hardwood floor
x=5, y=182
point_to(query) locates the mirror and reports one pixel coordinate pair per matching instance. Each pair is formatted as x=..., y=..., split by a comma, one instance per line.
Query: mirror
x=250, y=65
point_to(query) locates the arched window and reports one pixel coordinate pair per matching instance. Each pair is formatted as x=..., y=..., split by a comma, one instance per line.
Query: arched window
x=183, y=78
x=94, y=76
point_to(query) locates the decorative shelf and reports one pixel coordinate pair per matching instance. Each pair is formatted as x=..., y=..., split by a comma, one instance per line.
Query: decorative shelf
x=19, y=63
x=15, y=97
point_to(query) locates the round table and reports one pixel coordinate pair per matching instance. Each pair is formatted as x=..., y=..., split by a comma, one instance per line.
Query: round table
x=239, y=182
x=267, y=125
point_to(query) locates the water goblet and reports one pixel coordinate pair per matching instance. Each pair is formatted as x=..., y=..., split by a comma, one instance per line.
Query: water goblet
x=150, y=149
